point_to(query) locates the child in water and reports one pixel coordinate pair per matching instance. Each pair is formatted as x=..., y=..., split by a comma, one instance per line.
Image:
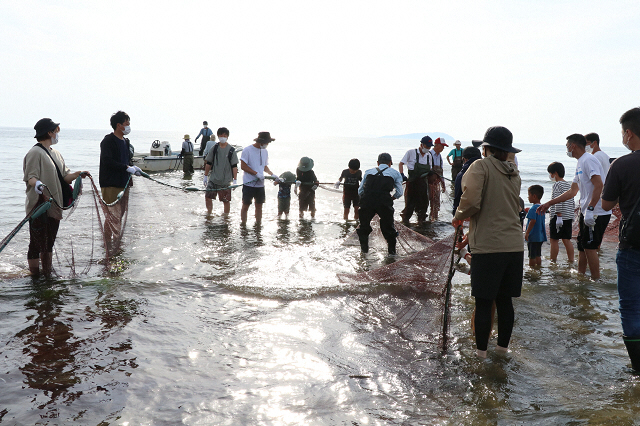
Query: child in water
x=536, y=232
x=352, y=178
x=284, y=193
x=561, y=214
x=306, y=184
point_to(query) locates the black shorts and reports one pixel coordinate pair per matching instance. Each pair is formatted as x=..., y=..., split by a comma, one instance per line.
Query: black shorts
x=251, y=192
x=535, y=249
x=591, y=239
x=283, y=205
x=496, y=273
x=566, y=230
x=350, y=198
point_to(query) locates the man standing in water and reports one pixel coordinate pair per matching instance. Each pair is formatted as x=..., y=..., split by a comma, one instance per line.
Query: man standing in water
x=375, y=198
x=490, y=198
x=254, y=163
x=593, y=218
x=593, y=148
x=115, y=159
x=456, y=164
x=436, y=179
x=416, y=195
x=206, y=133
x=221, y=167
x=622, y=188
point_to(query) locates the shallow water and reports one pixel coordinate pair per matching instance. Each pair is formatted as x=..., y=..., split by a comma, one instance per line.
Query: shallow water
x=207, y=322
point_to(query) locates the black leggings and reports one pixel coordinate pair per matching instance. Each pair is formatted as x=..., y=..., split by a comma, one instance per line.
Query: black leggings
x=504, y=307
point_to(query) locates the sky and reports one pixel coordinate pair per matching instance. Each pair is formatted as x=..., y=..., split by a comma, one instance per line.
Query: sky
x=543, y=69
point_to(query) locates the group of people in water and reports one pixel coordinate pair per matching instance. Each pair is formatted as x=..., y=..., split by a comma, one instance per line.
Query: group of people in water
x=486, y=187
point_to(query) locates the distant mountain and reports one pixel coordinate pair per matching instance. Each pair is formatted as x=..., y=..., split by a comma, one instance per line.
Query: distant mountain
x=418, y=136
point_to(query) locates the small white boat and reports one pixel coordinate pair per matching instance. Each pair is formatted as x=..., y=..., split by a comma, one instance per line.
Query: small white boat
x=162, y=158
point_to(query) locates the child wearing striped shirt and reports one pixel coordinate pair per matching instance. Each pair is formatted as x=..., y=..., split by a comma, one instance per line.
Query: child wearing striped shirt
x=561, y=214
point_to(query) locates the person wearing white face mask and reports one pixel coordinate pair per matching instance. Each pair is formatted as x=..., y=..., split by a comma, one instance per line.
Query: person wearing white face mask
x=593, y=218
x=115, y=158
x=46, y=175
x=593, y=148
x=206, y=133
x=221, y=166
x=419, y=163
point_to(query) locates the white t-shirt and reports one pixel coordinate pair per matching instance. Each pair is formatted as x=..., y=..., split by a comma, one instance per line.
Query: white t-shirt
x=604, y=162
x=410, y=158
x=587, y=167
x=255, y=158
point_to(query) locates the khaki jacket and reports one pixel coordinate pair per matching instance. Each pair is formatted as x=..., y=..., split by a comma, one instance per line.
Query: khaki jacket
x=491, y=198
x=38, y=164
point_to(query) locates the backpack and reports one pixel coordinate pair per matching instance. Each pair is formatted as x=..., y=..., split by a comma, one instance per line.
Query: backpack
x=630, y=228
x=231, y=151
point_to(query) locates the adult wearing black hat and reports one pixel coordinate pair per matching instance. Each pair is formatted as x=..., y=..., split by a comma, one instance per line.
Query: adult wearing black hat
x=490, y=199
x=206, y=133
x=375, y=198
x=45, y=173
x=254, y=162
x=416, y=195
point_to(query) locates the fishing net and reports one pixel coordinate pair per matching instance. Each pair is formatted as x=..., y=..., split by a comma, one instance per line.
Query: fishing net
x=89, y=224
x=426, y=270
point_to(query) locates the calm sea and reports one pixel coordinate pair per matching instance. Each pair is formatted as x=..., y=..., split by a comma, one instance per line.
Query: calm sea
x=202, y=321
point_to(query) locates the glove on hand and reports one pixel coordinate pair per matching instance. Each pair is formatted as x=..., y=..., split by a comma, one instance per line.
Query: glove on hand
x=138, y=170
x=404, y=178
x=298, y=183
x=275, y=177
x=260, y=175
x=38, y=187
x=131, y=170
x=589, y=220
x=235, y=181
x=314, y=187
x=205, y=180
x=558, y=223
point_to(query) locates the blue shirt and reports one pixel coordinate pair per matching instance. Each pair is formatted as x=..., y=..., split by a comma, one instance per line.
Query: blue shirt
x=539, y=232
x=204, y=132
x=285, y=190
x=386, y=171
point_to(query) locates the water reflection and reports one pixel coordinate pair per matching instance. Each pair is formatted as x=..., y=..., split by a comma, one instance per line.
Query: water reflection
x=306, y=234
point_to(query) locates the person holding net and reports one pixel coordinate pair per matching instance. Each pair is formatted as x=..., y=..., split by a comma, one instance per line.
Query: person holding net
x=45, y=175
x=490, y=199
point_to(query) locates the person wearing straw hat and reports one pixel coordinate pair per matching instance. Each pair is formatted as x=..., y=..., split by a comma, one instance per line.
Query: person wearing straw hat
x=491, y=200
x=43, y=167
x=306, y=185
x=456, y=162
x=187, y=155
x=254, y=162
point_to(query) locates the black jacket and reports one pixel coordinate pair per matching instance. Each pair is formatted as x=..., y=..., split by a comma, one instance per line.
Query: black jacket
x=113, y=172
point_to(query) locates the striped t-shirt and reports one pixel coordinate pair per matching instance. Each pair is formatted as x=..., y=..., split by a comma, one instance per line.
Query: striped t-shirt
x=566, y=208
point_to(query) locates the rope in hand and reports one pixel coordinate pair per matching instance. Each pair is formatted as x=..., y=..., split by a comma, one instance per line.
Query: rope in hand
x=447, y=300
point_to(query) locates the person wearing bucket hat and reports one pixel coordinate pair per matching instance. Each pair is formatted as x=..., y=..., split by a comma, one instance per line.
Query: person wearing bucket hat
x=45, y=175
x=284, y=192
x=456, y=162
x=416, y=194
x=206, y=133
x=254, y=162
x=436, y=179
x=490, y=199
x=307, y=183
x=187, y=155
x=376, y=199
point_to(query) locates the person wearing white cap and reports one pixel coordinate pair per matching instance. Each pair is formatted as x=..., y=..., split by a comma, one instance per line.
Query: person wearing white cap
x=456, y=162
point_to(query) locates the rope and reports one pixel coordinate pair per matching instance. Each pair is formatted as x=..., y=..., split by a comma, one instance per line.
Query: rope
x=452, y=271
x=194, y=189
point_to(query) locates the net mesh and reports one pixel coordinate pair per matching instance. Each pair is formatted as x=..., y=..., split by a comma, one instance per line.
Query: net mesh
x=425, y=270
x=75, y=247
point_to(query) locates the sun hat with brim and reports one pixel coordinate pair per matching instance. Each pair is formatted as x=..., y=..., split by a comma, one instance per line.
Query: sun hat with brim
x=499, y=137
x=457, y=143
x=288, y=177
x=44, y=126
x=186, y=137
x=476, y=143
x=426, y=141
x=264, y=137
x=305, y=164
